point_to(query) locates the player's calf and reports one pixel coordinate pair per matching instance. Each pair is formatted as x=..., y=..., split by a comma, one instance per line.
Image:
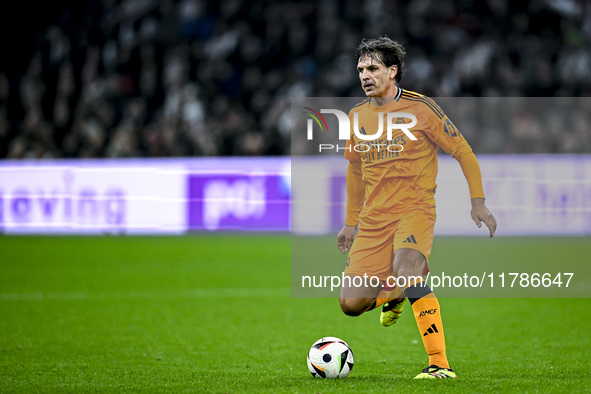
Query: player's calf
x=356, y=300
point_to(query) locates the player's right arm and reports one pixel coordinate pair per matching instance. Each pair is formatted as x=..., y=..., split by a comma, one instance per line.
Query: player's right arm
x=355, y=200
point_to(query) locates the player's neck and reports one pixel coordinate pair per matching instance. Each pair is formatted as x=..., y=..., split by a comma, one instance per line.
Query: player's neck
x=386, y=98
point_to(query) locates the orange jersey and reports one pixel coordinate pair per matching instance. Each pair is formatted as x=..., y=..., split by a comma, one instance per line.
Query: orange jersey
x=398, y=175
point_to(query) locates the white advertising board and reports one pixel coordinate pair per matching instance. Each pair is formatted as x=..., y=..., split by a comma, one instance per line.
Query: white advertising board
x=92, y=197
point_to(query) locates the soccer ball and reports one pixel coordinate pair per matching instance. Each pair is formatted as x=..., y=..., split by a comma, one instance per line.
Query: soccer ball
x=330, y=357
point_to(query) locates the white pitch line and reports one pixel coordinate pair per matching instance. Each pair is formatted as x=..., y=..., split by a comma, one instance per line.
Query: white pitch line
x=232, y=292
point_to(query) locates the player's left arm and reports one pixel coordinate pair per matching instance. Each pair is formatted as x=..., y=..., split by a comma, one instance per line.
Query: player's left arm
x=471, y=169
x=480, y=213
x=445, y=134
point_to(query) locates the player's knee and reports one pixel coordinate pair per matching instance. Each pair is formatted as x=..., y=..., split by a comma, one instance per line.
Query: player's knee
x=351, y=307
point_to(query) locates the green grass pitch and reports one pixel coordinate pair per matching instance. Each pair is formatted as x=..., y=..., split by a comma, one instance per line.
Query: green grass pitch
x=213, y=313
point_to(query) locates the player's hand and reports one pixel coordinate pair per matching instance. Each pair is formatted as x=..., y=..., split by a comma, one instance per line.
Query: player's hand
x=480, y=213
x=345, y=238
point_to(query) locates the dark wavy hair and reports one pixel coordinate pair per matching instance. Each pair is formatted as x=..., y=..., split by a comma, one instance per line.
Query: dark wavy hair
x=385, y=51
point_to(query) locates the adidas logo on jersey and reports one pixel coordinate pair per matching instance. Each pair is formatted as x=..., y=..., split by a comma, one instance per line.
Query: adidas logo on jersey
x=410, y=240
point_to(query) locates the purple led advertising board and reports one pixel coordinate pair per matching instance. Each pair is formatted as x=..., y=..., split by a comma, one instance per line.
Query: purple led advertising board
x=238, y=202
x=529, y=195
x=239, y=194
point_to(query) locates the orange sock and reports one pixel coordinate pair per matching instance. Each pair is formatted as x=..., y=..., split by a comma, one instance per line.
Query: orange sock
x=428, y=316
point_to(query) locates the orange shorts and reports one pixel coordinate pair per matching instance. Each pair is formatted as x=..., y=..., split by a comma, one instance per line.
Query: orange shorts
x=372, y=252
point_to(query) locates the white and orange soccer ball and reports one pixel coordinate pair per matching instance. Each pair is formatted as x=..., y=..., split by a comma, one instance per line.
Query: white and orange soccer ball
x=330, y=358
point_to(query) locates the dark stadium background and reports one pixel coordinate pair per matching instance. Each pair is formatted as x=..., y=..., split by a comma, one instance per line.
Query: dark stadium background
x=163, y=87
x=104, y=78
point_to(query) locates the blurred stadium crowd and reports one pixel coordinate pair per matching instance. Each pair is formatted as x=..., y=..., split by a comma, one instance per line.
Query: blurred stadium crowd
x=154, y=78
